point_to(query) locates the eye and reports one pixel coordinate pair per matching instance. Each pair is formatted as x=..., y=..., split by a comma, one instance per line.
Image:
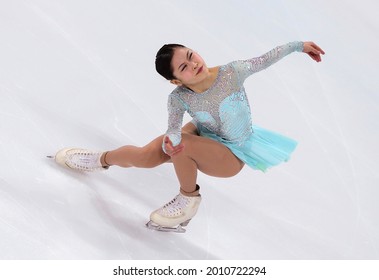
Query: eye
x=190, y=56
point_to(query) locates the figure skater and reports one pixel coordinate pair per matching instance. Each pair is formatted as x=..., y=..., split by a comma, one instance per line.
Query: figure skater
x=219, y=140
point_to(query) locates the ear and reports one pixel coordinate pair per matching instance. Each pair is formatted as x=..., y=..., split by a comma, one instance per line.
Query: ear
x=176, y=82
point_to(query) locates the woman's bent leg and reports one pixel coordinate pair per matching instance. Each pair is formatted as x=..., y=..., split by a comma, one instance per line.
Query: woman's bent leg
x=206, y=155
x=202, y=154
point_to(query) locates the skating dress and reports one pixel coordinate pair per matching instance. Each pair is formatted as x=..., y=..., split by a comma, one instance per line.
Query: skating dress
x=223, y=113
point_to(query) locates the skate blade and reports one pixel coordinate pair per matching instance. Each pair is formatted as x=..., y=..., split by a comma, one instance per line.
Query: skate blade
x=179, y=229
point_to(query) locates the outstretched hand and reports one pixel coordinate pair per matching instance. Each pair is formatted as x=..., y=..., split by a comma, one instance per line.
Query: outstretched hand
x=170, y=149
x=313, y=51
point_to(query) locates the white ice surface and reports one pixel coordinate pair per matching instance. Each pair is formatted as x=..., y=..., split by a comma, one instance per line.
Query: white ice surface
x=81, y=73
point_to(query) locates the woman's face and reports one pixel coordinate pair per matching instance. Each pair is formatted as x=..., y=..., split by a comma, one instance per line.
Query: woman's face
x=188, y=67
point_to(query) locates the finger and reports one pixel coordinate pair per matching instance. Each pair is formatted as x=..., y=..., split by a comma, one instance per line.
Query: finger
x=169, y=148
x=315, y=57
x=177, y=151
x=315, y=48
x=318, y=58
x=318, y=49
x=168, y=144
x=178, y=147
x=167, y=140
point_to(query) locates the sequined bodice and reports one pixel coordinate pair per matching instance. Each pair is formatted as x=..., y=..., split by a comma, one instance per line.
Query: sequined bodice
x=224, y=108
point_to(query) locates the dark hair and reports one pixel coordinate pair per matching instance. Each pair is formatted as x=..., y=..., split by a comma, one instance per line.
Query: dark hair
x=163, y=60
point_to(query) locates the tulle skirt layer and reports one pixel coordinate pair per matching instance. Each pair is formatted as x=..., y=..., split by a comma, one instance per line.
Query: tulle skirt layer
x=262, y=150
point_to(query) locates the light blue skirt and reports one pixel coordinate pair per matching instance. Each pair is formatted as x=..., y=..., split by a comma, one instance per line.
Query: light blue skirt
x=262, y=150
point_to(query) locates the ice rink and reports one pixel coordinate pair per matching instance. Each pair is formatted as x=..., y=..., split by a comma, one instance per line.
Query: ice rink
x=81, y=73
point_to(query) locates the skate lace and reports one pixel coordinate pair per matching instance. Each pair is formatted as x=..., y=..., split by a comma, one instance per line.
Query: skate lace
x=84, y=160
x=176, y=205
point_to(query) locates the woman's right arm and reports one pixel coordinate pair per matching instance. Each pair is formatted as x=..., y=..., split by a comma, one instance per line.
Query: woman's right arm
x=173, y=137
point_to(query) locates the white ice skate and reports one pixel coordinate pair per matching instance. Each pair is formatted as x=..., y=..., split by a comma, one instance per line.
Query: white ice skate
x=175, y=215
x=79, y=159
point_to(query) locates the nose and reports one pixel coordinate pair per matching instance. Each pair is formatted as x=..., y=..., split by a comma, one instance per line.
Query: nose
x=195, y=65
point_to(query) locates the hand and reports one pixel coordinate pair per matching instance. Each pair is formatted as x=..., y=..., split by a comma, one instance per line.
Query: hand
x=170, y=149
x=313, y=51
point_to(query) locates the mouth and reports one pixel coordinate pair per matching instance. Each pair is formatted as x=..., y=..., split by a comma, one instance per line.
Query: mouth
x=200, y=70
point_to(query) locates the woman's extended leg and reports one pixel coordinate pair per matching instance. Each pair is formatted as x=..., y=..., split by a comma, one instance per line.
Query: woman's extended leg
x=148, y=156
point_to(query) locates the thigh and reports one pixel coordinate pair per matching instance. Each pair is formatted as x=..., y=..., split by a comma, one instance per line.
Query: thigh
x=190, y=128
x=212, y=157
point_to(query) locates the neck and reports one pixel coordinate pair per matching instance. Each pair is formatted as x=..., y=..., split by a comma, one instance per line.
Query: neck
x=206, y=83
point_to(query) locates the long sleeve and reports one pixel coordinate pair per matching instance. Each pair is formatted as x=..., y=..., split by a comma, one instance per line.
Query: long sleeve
x=176, y=109
x=248, y=67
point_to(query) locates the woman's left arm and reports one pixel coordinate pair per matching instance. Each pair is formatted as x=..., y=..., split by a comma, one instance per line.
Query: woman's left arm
x=313, y=51
x=245, y=68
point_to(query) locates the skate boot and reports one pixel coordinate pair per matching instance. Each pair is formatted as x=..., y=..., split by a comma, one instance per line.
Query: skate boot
x=79, y=159
x=176, y=214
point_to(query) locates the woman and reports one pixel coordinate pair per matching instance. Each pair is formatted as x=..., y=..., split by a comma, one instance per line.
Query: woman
x=219, y=141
